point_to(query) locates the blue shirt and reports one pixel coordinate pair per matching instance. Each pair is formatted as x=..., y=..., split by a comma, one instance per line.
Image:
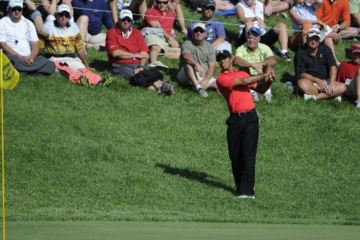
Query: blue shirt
x=214, y=30
x=96, y=18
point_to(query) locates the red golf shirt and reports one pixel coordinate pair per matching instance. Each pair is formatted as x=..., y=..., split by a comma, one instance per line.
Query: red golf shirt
x=165, y=19
x=239, y=99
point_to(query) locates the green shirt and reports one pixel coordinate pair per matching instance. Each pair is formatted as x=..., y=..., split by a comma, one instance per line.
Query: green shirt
x=261, y=53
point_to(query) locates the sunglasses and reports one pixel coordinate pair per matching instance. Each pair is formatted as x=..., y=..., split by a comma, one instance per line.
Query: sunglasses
x=196, y=30
x=14, y=9
x=212, y=8
x=126, y=19
x=64, y=14
x=162, y=2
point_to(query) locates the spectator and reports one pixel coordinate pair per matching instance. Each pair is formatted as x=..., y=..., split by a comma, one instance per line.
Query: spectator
x=128, y=54
x=257, y=58
x=243, y=122
x=63, y=43
x=159, y=34
x=138, y=7
x=315, y=69
x=336, y=14
x=355, y=13
x=19, y=41
x=303, y=17
x=251, y=14
x=349, y=74
x=215, y=31
x=175, y=7
x=197, y=62
x=92, y=13
x=44, y=7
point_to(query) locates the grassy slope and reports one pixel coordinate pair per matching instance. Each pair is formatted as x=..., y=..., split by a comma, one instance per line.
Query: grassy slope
x=121, y=153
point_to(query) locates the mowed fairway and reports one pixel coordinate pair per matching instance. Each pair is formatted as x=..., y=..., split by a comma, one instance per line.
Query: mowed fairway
x=176, y=231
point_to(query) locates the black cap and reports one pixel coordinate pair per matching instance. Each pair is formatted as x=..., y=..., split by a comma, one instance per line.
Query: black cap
x=222, y=55
x=208, y=3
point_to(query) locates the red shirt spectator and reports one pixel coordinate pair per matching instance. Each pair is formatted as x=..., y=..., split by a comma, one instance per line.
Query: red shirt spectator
x=347, y=70
x=165, y=19
x=134, y=43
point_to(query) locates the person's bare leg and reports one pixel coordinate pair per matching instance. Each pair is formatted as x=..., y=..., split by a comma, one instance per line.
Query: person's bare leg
x=154, y=53
x=349, y=32
x=180, y=18
x=330, y=43
x=281, y=30
x=83, y=22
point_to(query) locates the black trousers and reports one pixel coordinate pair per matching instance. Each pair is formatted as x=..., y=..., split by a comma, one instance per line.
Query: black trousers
x=242, y=137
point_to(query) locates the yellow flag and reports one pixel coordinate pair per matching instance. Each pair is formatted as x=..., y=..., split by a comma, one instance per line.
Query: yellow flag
x=9, y=76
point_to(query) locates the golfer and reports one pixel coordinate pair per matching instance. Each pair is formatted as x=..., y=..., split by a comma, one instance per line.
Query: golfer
x=243, y=122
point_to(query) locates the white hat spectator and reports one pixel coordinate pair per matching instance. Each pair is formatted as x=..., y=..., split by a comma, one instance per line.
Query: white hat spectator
x=199, y=25
x=63, y=8
x=314, y=32
x=15, y=3
x=125, y=13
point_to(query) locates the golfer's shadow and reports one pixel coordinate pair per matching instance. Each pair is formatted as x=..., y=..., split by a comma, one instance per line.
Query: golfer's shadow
x=196, y=176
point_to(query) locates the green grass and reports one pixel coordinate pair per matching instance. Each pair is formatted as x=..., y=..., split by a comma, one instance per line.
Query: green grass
x=123, y=153
x=175, y=231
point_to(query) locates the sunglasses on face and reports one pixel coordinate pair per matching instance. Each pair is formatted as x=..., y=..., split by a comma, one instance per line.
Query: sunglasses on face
x=211, y=8
x=162, y=2
x=64, y=14
x=196, y=30
x=14, y=9
x=126, y=20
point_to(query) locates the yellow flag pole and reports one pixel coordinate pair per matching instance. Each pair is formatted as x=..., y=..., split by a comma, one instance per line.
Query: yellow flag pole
x=2, y=146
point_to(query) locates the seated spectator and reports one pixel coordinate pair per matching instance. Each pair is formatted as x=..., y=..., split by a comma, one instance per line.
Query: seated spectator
x=355, y=13
x=175, y=7
x=137, y=7
x=257, y=58
x=276, y=6
x=63, y=43
x=315, y=69
x=128, y=54
x=251, y=14
x=44, y=7
x=197, y=62
x=215, y=31
x=92, y=13
x=349, y=74
x=19, y=41
x=159, y=34
x=303, y=17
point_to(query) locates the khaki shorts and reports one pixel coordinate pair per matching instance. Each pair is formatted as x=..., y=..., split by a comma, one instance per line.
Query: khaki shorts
x=184, y=80
x=152, y=39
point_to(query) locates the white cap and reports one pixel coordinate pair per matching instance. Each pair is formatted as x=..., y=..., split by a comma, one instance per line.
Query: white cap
x=63, y=8
x=199, y=25
x=313, y=32
x=15, y=3
x=125, y=13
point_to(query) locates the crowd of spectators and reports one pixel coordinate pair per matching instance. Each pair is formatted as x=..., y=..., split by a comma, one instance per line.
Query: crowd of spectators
x=140, y=33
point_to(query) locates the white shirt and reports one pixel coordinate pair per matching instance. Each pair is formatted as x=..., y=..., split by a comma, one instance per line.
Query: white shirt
x=123, y=4
x=250, y=13
x=18, y=35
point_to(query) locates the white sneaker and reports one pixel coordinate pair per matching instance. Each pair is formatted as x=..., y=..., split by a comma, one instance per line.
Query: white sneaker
x=157, y=64
x=308, y=97
x=338, y=99
x=202, y=92
x=357, y=102
x=268, y=97
x=246, y=196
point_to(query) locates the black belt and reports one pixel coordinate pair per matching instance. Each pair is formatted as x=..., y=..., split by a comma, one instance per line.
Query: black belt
x=243, y=114
x=48, y=55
